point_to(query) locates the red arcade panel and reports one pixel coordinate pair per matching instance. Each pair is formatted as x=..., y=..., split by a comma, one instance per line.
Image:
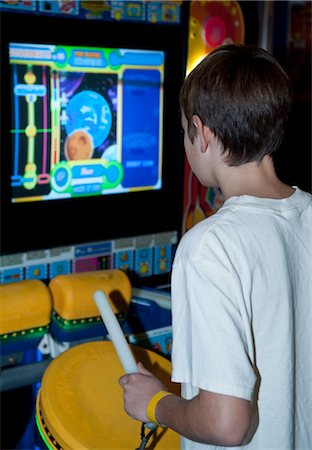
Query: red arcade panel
x=211, y=24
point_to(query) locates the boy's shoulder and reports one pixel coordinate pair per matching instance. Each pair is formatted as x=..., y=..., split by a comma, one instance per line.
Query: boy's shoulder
x=207, y=230
x=238, y=221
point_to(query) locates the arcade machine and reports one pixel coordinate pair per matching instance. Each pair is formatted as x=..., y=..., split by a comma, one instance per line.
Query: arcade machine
x=87, y=182
x=89, y=146
x=88, y=196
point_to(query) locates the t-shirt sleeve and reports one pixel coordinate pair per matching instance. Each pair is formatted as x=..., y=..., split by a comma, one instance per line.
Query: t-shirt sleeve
x=211, y=336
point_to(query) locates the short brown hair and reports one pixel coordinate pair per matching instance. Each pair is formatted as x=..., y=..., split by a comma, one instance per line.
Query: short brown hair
x=244, y=96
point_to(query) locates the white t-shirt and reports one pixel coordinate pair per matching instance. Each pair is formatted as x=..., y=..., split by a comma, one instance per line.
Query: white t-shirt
x=242, y=315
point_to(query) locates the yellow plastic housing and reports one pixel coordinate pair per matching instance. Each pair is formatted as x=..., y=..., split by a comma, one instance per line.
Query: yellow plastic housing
x=24, y=305
x=73, y=294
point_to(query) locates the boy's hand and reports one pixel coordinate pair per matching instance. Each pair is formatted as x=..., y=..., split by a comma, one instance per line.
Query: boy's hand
x=139, y=388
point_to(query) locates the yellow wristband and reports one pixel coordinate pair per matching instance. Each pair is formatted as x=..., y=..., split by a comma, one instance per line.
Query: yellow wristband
x=151, y=408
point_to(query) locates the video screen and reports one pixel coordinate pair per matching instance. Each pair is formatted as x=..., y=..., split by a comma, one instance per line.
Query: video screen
x=85, y=121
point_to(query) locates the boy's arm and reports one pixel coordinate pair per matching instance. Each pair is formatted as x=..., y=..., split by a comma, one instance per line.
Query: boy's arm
x=209, y=417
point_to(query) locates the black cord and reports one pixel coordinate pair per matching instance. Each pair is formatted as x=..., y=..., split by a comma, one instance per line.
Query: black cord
x=144, y=438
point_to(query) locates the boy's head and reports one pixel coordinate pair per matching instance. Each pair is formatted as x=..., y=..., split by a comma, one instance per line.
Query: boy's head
x=243, y=95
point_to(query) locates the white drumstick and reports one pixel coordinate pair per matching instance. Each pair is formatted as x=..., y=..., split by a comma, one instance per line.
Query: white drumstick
x=115, y=333
x=117, y=336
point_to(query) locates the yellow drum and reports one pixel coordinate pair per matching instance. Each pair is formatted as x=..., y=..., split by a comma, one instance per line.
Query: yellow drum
x=80, y=402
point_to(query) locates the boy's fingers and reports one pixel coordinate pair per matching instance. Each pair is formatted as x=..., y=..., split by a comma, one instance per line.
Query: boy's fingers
x=143, y=370
x=123, y=380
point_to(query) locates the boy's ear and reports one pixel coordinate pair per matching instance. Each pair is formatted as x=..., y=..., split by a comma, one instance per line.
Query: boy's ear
x=197, y=122
x=204, y=133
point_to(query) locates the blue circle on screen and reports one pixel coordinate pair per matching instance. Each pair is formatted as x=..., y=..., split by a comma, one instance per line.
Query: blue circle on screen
x=112, y=174
x=60, y=56
x=61, y=177
x=90, y=111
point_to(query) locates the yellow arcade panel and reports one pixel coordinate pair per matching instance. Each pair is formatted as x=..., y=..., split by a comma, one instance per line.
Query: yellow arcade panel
x=73, y=293
x=25, y=309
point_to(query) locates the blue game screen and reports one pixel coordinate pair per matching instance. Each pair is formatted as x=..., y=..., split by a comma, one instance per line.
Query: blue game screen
x=85, y=121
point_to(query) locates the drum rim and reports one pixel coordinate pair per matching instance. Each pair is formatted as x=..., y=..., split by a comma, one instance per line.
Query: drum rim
x=43, y=428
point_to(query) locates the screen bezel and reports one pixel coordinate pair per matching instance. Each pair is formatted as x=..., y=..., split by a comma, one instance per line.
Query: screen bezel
x=40, y=225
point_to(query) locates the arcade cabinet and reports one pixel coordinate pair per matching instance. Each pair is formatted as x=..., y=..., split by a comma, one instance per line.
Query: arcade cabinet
x=91, y=173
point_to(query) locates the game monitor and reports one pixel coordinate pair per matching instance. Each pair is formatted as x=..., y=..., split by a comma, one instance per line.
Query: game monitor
x=91, y=145
x=85, y=121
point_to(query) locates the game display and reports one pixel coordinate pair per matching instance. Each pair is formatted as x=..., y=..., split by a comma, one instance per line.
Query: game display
x=86, y=121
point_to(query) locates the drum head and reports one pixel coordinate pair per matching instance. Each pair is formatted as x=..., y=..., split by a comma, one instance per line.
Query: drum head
x=80, y=402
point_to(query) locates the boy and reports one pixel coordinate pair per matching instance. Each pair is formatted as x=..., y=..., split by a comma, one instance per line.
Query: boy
x=241, y=279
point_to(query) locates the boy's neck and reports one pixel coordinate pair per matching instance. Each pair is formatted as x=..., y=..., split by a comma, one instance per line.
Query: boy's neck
x=257, y=179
